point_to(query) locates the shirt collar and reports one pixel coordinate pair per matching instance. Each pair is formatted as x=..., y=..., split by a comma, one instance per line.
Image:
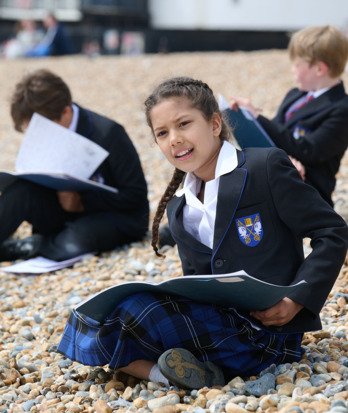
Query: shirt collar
x=75, y=117
x=226, y=163
x=317, y=93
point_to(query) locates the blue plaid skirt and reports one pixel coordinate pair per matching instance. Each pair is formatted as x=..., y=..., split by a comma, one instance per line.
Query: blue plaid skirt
x=145, y=325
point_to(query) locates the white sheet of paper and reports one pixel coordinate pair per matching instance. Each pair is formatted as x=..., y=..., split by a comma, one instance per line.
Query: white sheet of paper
x=50, y=148
x=40, y=265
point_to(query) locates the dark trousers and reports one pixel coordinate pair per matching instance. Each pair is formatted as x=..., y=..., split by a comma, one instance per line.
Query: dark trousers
x=65, y=234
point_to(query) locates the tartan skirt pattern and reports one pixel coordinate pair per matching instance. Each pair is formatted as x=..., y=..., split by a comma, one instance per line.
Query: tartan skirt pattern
x=144, y=325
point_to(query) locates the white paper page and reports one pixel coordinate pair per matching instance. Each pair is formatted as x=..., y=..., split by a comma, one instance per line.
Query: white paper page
x=39, y=265
x=50, y=148
x=223, y=103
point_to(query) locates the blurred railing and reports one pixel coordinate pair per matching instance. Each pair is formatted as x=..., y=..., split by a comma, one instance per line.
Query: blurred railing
x=115, y=7
x=65, y=10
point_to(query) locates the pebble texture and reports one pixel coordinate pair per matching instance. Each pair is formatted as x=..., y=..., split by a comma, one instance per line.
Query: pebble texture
x=34, y=309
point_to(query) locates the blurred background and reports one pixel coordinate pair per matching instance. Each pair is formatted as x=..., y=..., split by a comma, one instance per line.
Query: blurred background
x=96, y=27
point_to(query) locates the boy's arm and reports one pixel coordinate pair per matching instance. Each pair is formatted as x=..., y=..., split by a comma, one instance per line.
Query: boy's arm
x=320, y=143
x=306, y=214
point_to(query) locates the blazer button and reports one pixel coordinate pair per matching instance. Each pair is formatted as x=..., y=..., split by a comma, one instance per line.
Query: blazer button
x=218, y=263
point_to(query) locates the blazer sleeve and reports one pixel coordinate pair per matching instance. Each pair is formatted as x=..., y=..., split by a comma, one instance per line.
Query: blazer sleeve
x=323, y=140
x=122, y=170
x=303, y=210
x=187, y=268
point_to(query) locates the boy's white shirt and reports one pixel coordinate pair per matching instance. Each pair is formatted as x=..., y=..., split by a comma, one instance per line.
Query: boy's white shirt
x=75, y=117
x=198, y=217
x=317, y=93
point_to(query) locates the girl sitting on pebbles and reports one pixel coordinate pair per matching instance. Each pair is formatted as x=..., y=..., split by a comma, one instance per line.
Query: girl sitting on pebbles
x=174, y=340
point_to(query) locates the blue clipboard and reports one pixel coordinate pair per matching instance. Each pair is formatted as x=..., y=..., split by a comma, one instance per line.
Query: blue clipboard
x=246, y=129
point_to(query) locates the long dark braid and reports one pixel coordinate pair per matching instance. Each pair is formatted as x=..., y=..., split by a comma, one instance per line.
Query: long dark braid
x=202, y=98
x=166, y=197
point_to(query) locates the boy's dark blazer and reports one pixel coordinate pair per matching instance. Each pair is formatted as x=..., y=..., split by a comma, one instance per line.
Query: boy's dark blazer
x=322, y=130
x=121, y=169
x=265, y=184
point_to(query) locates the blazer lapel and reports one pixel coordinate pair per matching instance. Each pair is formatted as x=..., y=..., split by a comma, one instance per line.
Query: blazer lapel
x=289, y=100
x=313, y=107
x=325, y=100
x=231, y=187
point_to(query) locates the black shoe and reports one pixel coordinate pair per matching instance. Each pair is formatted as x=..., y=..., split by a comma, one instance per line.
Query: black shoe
x=182, y=369
x=15, y=249
x=165, y=237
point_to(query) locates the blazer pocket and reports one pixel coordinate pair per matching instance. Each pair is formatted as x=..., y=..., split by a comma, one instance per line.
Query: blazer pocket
x=253, y=231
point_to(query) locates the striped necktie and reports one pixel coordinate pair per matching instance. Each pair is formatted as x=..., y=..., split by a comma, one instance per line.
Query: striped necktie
x=298, y=105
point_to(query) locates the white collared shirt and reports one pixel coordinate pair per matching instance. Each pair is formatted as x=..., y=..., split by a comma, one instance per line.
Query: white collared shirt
x=198, y=217
x=317, y=93
x=75, y=117
x=314, y=93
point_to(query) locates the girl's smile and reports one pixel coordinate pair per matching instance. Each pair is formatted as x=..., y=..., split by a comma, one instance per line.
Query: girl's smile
x=189, y=141
x=184, y=154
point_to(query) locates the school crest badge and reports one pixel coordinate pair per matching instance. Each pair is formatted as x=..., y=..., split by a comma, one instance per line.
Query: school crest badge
x=300, y=132
x=250, y=230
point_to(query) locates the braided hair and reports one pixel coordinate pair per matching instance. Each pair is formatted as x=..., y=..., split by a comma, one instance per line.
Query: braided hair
x=202, y=98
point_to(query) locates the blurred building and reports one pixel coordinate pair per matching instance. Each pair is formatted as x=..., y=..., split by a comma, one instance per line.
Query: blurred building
x=134, y=26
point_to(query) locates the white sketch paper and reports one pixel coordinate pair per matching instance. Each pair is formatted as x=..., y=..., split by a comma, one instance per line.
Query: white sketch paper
x=50, y=148
x=40, y=265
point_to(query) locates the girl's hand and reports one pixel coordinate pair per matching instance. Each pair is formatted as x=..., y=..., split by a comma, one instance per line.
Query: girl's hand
x=70, y=201
x=278, y=315
x=246, y=103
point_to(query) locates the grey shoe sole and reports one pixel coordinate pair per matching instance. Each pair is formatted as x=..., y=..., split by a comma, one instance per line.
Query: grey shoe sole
x=182, y=369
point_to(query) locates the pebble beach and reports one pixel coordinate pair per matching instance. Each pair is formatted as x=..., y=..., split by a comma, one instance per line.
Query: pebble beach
x=34, y=377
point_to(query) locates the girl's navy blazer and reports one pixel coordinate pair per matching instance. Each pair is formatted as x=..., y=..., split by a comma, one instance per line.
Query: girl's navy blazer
x=264, y=211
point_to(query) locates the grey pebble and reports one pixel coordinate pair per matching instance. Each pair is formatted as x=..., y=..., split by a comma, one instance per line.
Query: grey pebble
x=146, y=395
x=37, y=318
x=336, y=403
x=119, y=403
x=23, y=362
x=340, y=334
x=10, y=396
x=74, y=300
x=170, y=399
x=332, y=389
x=65, y=363
x=317, y=381
x=198, y=410
x=27, y=405
x=260, y=386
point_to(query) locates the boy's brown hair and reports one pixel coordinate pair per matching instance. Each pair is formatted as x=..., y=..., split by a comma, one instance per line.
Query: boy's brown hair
x=41, y=91
x=321, y=44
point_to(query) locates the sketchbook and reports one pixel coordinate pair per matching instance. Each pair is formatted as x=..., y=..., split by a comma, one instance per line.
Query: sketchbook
x=56, y=181
x=246, y=129
x=238, y=290
x=56, y=157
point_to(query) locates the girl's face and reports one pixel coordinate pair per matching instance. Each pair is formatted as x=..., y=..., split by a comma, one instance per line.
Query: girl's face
x=189, y=141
